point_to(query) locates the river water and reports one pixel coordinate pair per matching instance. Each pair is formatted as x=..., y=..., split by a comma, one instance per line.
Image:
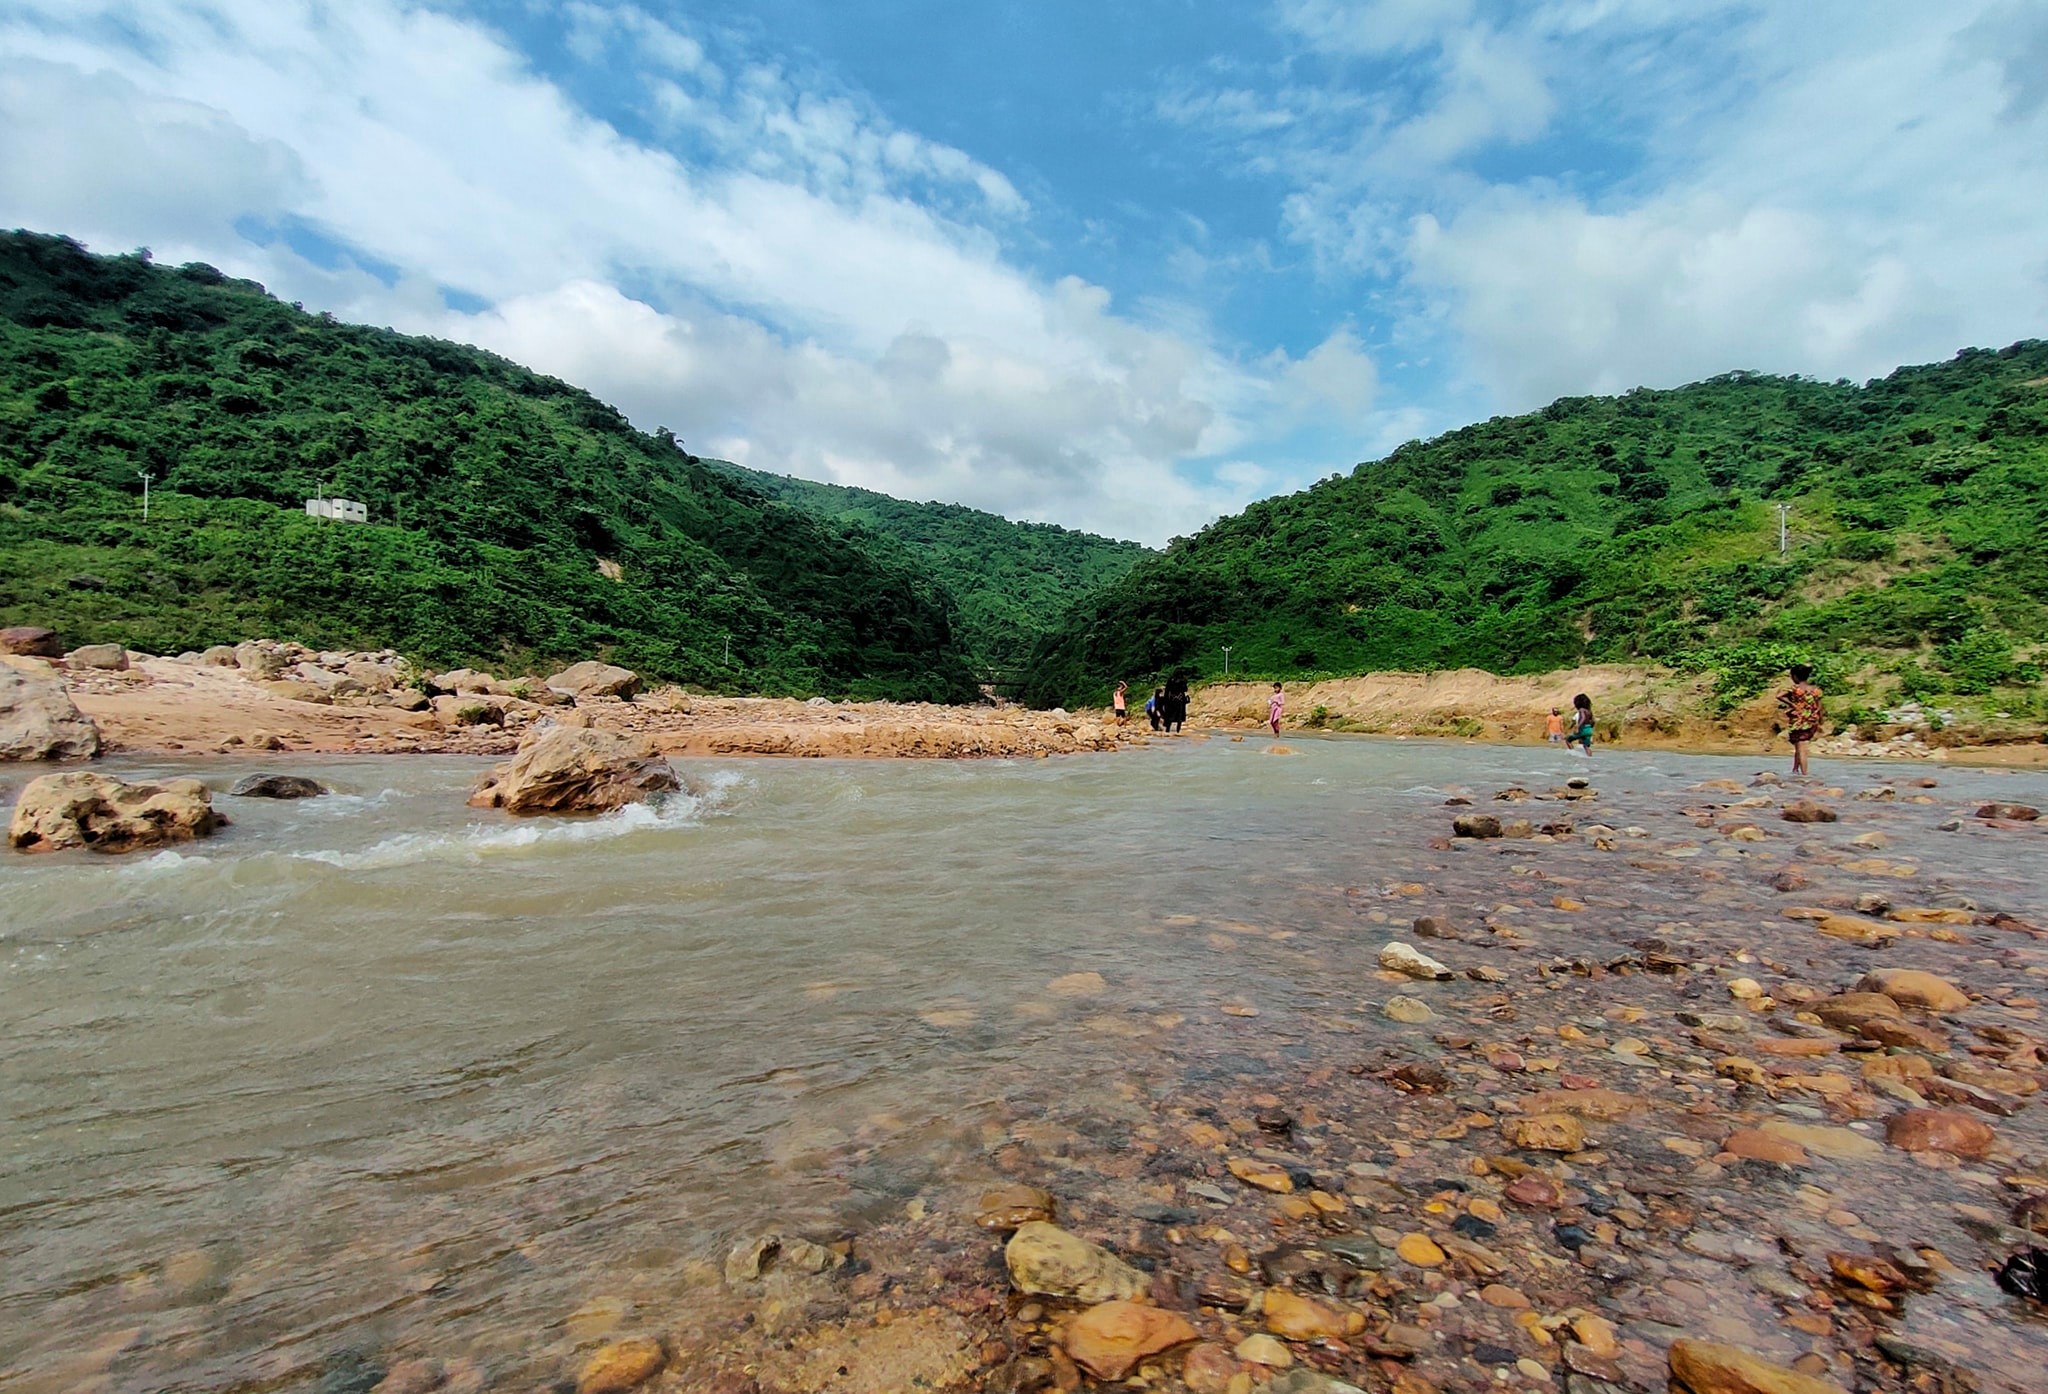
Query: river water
x=378, y=1073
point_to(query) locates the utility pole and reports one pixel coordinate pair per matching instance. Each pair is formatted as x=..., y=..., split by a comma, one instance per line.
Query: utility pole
x=1226, y=659
x=1783, y=510
x=143, y=475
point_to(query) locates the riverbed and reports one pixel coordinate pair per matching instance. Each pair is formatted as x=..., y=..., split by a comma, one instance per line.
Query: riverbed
x=376, y=1077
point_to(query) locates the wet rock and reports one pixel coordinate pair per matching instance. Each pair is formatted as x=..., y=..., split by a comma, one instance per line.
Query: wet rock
x=1910, y=987
x=1857, y=929
x=1836, y=1144
x=1109, y=1339
x=1085, y=984
x=1007, y=1207
x=1265, y=1175
x=1299, y=1319
x=2009, y=812
x=1420, y=1250
x=278, y=786
x=1902, y=1034
x=1940, y=1130
x=1407, y=1010
x=593, y=679
x=39, y=721
x=1596, y=1333
x=31, y=641
x=622, y=1365
x=1757, y=1145
x=412, y=1377
x=96, y=811
x=1046, y=1260
x=1550, y=1132
x=576, y=770
x=1807, y=811
x=1866, y=1271
x=751, y=1258
x=1398, y=957
x=1475, y=825
x=1305, y=1381
x=1356, y=1250
x=1705, y=1367
x=1847, y=1010
x=1208, y=1369
x=1535, y=1192
x=1262, y=1349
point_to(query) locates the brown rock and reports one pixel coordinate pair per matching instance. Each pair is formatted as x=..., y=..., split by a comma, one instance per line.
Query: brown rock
x=1846, y=1011
x=622, y=1365
x=1596, y=1333
x=1704, y=1367
x=1007, y=1207
x=60, y=811
x=1939, y=1130
x=1475, y=825
x=593, y=679
x=1550, y=1132
x=1265, y=1175
x=39, y=721
x=1208, y=1369
x=2004, y=812
x=1866, y=1271
x=1910, y=987
x=1839, y=1144
x=1536, y=1192
x=1856, y=929
x=1299, y=1319
x=1109, y=1339
x=1759, y=1146
x=1807, y=811
x=1903, y=1034
x=110, y=658
x=31, y=641
x=570, y=770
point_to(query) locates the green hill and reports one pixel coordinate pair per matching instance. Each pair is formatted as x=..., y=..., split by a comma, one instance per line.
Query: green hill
x=515, y=520
x=1641, y=527
x=1012, y=581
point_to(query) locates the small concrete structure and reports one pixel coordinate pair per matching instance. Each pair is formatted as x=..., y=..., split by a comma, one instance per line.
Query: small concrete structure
x=340, y=510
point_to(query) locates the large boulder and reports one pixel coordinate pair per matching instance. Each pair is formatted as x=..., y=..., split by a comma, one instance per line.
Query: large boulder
x=576, y=770
x=108, y=656
x=256, y=658
x=1046, y=1260
x=463, y=682
x=593, y=679
x=38, y=720
x=31, y=641
x=80, y=809
x=278, y=786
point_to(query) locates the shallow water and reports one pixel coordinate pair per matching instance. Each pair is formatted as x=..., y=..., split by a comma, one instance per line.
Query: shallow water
x=379, y=1071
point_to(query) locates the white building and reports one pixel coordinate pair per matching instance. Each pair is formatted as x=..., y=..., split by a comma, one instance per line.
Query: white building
x=340, y=510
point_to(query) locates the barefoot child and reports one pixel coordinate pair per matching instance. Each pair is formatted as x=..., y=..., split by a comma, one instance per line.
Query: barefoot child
x=1803, y=714
x=1274, y=707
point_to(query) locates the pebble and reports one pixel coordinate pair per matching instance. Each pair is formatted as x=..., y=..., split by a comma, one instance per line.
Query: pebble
x=1262, y=1349
x=1419, y=1249
x=1407, y=1010
x=621, y=1366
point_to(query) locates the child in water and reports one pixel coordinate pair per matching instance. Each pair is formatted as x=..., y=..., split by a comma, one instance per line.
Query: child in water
x=1121, y=703
x=1581, y=725
x=1804, y=714
x=1553, y=727
x=1274, y=707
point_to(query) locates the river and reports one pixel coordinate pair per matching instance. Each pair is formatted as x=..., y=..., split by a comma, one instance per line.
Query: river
x=376, y=1073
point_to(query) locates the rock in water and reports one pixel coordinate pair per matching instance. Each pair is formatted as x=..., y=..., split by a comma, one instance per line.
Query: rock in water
x=31, y=641
x=278, y=786
x=1398, y=957
x=1807, y=811
x=61, y=811
x=1108, y=1340
x=39, y=722
x=1475, y=825
x=1911, y=988
x=1939, y=1130
x=593, y=679
x=2009, y=812
x=576, y=770
x=107, y=656
x=622, y=1365
x=1045, y=1259
x=1704, y=1367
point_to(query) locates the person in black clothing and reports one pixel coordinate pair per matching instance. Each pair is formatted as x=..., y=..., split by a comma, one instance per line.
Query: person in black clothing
x=1176, y=712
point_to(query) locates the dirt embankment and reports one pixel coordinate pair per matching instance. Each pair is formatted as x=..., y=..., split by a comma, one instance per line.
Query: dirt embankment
x=1634, y=706
x=171, y=704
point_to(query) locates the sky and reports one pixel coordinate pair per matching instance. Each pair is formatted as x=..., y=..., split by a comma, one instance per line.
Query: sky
x=1123, y=267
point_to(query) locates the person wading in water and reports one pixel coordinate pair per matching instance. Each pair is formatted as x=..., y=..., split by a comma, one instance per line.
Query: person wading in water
x=1804, y=714
x=1274, y=707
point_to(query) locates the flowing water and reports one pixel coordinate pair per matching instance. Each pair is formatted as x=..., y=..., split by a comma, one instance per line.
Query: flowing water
x=377, y=1071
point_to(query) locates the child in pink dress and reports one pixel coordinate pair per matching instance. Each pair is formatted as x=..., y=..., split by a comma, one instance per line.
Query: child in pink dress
x=1274, y=708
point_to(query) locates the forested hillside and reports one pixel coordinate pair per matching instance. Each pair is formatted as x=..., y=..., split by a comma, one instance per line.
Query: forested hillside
x=1639, y=527
x=1012, y=581
x=514, y=519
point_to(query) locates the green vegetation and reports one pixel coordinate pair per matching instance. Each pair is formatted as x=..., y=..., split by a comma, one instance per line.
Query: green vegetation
x=1012, y=581
x=1633, y=528
x=516, y=521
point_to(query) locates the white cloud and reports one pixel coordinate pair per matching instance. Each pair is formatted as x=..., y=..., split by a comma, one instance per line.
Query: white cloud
x=807, y=296
x=1876, y=202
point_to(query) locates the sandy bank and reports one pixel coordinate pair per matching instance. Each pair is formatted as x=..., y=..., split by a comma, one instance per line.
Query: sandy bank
x=1638, y=707
x=171, y=704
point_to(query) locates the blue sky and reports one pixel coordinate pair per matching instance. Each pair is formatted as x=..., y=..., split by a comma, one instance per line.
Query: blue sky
x=1124, y=266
